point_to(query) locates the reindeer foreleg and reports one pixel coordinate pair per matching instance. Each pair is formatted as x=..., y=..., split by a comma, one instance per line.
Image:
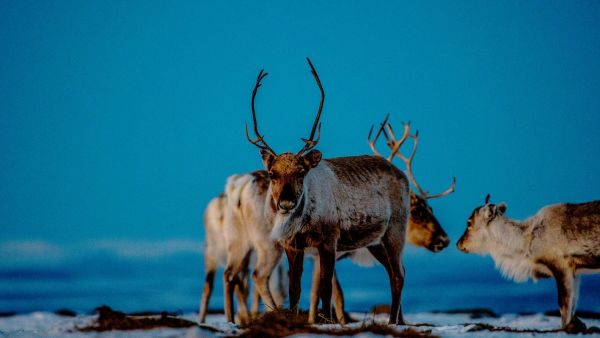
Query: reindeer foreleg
x=295, y=261
x=314, y=292
x=327, y=260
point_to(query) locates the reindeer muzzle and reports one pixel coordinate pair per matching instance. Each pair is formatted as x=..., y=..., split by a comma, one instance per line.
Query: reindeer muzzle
x=285, y=206
x=439, y=244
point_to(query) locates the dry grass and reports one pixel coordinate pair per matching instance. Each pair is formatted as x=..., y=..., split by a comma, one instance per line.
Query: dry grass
x=283, y=323
x=108, y=320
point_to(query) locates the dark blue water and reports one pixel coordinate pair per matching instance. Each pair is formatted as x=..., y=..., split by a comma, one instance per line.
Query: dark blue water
x=85, y=280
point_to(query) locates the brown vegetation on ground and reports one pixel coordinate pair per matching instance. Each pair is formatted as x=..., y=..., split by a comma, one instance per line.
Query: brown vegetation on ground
x=109, y=319
x=283, y=323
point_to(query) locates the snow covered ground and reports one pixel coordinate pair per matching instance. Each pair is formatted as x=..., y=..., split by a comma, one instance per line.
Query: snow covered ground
x=37, y=279
x=45, y=324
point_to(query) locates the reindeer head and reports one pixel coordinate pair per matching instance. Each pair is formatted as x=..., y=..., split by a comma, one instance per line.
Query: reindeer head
x=288, y=170
x=423, y=228
x=478, y=226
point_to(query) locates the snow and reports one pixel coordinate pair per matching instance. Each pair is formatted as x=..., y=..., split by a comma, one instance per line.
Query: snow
x=45, y=324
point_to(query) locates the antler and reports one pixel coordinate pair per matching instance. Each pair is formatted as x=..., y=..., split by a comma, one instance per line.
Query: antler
x=259, y=141
x=391, y=142
x=310, y=142
x=408, y=161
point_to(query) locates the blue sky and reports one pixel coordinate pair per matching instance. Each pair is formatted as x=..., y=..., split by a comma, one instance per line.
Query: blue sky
x=120, y=120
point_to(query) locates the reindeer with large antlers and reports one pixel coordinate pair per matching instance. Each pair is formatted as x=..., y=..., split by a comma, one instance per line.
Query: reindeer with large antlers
x=424, y=229
x=335, y=205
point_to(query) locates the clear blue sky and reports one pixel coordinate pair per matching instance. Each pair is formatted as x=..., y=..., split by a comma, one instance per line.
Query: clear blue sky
x=122, y=119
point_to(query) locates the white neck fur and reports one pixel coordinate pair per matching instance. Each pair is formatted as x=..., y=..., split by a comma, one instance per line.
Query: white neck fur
x=509, y=247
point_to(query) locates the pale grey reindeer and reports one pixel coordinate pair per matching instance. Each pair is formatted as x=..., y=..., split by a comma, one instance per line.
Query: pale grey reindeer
x=217, y=246
x=560, y=241
x=423, y=230
x=247, y=229
x=335, y=205
x=215, y=251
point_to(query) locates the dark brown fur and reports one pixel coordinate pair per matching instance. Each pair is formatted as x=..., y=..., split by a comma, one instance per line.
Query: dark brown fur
x=361, y=169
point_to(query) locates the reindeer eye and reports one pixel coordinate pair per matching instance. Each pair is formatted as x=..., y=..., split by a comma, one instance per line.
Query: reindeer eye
x=272, y=175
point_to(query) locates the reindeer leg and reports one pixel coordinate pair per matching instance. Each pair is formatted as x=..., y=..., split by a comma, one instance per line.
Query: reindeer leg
x=314, y=292
x=576, y=282
x=397, y=286
x=567, y=286
x=255, y=300
x=207, y=291
x=396, y=279
x=242, y=289
x=295, y=261
x=228, y=286
x=266, y=261
x=394, y=253
x=279, y=284
x=338, y=300
x=338, y=296
x=327, y=267
x=231, y=278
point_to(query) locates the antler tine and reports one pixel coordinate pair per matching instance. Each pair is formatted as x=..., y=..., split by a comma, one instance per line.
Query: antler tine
x=409, y=172
x=408, y=162
x=381, y=129
x=396, y=144
x=447, y=192
x=259, y=141
x=310, y=143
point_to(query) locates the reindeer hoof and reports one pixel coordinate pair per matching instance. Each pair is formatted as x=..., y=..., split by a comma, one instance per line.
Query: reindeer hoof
x=575, y=326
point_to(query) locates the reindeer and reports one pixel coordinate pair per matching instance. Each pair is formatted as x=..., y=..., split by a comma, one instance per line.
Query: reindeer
x=230, y=246
x=247, y=228
x=424, y=230
x=214, y=249
x=423, y=227
x=335, y=205
x=560, y=241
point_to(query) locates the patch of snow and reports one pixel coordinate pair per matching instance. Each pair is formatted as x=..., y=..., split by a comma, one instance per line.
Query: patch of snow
x=44, y=324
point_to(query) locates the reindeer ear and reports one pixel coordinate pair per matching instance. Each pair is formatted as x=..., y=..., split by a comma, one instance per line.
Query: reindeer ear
x=312, y=159
x=502, y=208
x=267, y=158
x=489, y=211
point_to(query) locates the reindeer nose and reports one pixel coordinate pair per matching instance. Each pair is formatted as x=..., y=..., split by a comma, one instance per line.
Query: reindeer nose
x=440, y=244
x=285, y=205
x=460, y=245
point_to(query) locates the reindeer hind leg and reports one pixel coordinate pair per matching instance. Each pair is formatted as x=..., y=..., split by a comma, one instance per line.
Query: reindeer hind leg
x=266, y=261
x=338, y=300
x=567, y=285
x=314, y=292
x=206, y=292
